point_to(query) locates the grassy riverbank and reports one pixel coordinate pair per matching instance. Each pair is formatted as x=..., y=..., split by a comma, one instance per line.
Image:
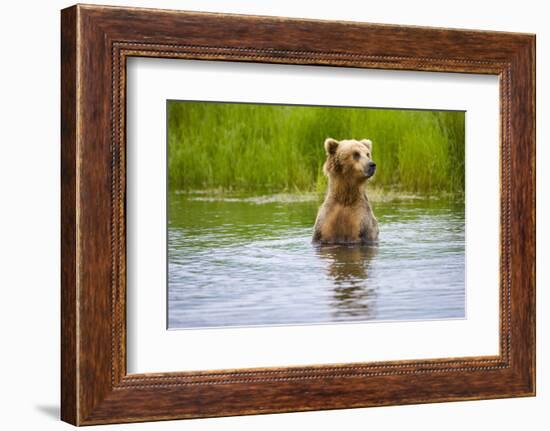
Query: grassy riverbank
x=252, y=147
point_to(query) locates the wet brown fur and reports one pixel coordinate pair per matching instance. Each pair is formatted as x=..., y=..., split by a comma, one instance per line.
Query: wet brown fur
x=346, y=216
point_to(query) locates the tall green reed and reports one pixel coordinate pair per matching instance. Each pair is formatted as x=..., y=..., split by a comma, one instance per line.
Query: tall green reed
x=253, y=147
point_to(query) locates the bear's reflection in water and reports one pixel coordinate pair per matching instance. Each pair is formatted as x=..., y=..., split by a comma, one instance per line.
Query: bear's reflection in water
x=348, y=268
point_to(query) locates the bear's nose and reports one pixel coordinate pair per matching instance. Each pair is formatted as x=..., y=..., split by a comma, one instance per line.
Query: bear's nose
x=372, y=165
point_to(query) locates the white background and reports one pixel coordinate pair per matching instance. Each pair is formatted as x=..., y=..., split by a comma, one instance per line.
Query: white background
x=29, y=228
x=151, y=348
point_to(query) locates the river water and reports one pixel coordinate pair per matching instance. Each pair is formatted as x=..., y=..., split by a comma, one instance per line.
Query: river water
x=237, y=260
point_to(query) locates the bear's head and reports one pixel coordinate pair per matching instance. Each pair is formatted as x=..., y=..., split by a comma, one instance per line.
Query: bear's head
x=349, y=159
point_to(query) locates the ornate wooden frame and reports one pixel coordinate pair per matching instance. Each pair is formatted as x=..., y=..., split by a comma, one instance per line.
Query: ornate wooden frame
x=95, y=43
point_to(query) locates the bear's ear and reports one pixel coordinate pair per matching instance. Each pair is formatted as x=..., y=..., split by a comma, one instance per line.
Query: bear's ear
x=331, y=145
x=367, y=143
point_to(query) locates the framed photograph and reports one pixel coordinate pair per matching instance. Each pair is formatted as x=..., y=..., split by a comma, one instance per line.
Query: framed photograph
x=264, y=214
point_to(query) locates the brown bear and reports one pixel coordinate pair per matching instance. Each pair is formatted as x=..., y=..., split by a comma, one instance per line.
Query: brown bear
x=346, y=215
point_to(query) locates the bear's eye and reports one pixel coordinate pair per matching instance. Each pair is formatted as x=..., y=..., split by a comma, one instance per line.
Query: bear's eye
x=356, y=155
x=368, y=155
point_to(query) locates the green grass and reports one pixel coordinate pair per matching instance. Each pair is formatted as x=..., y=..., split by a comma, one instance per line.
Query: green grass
x=249, y=147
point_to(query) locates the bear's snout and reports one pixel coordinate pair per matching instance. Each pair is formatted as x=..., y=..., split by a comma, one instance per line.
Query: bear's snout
x=370, y=169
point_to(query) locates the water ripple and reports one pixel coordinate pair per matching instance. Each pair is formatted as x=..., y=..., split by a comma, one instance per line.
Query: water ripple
x=237, y=263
